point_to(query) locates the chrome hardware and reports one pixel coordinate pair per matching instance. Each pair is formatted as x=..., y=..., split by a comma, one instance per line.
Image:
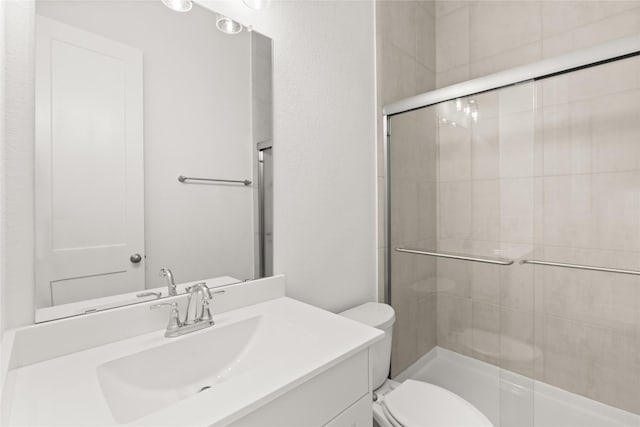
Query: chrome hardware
x=198, y=303
x=198, y=315
x=166, y=272
x=486, y=260
x=174, y=325
x=158, y=295
x=135, y=258
x=580, y=267
x=183, y=179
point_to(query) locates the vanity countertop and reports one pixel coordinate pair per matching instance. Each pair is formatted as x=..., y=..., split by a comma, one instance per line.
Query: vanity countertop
x=67, y=390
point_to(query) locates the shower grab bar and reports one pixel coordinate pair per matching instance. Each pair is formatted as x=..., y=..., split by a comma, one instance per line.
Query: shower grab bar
x=496, y=261
x=580, y=267
x=182, y=178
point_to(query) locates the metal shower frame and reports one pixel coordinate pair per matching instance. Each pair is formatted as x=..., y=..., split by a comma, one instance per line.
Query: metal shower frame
x=576, y=60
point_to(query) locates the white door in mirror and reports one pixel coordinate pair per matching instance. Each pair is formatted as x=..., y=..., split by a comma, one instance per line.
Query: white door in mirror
x=89, y=165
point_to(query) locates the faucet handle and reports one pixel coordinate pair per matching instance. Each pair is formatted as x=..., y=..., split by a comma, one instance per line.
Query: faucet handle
x=174, y=318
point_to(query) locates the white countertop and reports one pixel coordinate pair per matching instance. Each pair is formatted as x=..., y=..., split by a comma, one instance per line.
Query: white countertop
x=66, y=390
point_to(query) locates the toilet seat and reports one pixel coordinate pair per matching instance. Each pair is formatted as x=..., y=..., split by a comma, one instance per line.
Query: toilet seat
x=420, y=404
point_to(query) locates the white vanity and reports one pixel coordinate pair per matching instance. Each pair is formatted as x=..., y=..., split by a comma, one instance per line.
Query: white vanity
x=268, y=360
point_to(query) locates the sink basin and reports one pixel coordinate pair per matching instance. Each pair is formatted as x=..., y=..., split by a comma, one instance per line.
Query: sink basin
x=144, y=382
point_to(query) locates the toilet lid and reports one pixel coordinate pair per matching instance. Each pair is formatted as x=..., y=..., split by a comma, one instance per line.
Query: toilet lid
x=420, y=404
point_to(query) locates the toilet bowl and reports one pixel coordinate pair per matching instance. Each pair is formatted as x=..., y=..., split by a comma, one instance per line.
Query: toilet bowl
x=410, y=403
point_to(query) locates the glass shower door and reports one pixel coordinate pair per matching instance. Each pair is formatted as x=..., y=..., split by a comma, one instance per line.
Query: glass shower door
x=462, y=203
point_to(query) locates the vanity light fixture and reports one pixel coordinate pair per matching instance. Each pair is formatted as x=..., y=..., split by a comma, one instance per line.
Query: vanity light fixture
x=178, y=5
x=256, y=4
x=228, y=25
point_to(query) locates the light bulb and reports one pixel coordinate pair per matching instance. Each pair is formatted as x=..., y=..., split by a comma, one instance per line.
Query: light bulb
x=178, y=5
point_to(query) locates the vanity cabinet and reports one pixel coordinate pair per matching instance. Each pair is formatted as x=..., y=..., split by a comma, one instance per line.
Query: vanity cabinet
x=337, y=397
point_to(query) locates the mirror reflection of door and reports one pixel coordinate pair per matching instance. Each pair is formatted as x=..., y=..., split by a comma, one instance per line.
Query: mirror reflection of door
x=89, y=165
x=265, y=170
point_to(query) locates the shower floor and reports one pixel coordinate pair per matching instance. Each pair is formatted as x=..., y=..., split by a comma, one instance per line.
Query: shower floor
x=512, y=400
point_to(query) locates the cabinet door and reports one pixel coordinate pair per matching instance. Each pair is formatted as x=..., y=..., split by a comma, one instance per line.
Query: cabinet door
x=89, y=165
x=359, y=414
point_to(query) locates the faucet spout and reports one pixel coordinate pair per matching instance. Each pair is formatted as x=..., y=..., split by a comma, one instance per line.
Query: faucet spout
x=171, y=284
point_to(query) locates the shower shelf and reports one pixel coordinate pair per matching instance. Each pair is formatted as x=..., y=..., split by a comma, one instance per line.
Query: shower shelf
x=486, y=260
x=580, y=267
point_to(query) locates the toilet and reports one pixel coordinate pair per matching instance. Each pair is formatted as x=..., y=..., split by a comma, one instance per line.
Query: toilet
x=410, y=403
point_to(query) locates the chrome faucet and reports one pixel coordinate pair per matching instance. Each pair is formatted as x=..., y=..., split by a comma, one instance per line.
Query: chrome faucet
x=198, y=314
x=171, y=284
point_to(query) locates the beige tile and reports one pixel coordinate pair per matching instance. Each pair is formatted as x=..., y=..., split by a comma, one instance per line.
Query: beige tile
x=454, y=323
x=517, y=350
x=615, y=27
x=454, y=210
x=452, y=76
x=454, y=277
x=425, y=37
x=555, y=90
x=485, y=209
x=561, y=16
x=566, y=213
x=605, y=299
x=429, y=6
x=615, y=130
x=521, y=55
x=405, y=331
x=397, y=25
x=557, y=44
x=397, y=74
x=427, y=328
x=595, y=362
x=452, y=39
x=516, y=210
x=517, y=136
x=606, y=79
x=516, y=99
x=427, y=213
x=404, y=211
x=485, y=336
x=562, y=153
x=425, y=79
x=615, y=205
x=454, y=153
x=517, y=289
x=485, y=146
x=498, y=26
x=443, y=7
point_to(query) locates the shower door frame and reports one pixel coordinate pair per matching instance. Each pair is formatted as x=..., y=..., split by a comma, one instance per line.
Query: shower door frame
x=566, y=63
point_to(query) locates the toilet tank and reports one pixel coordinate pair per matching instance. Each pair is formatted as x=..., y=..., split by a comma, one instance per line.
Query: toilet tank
x=379, y=316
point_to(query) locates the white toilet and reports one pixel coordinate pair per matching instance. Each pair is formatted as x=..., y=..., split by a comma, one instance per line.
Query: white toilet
x=411, y=403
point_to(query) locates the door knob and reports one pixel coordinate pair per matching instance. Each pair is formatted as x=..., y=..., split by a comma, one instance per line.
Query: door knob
x=135, y=258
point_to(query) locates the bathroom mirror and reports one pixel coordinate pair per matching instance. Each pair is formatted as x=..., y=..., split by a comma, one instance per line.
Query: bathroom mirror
x=153, y=150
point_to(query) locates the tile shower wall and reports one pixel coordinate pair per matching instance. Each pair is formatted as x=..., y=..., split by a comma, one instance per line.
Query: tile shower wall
x=550, y=171
x=405, y=65
x=476, y=38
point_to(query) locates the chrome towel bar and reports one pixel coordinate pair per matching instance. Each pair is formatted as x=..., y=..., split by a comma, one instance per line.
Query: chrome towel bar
x=182, y=178
x=496, y=261
x=580, y=267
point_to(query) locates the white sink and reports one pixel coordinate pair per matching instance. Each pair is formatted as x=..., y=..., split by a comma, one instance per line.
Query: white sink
x=144, y=382
x=251, y=356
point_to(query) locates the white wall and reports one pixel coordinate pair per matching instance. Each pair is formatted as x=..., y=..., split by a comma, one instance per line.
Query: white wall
x=324, y=132
x=324, y=145
x=17, y=149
